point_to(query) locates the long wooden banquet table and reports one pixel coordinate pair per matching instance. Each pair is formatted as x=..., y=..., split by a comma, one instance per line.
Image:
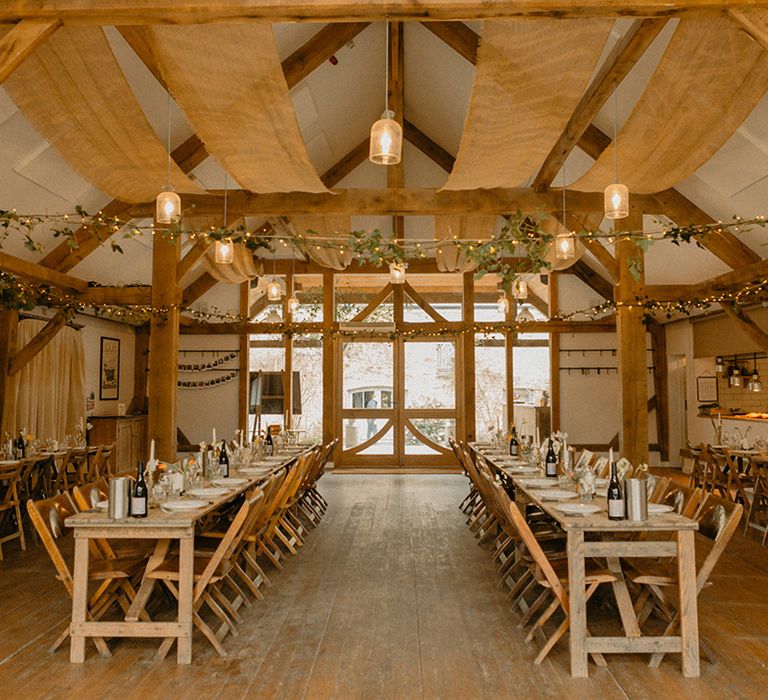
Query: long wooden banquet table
x=164, y=527
x=611, y=540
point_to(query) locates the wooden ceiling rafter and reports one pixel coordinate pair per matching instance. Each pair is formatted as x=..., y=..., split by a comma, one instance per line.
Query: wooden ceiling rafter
x=622, y=58
x=21, y=41
x=722, y=284
x=396, y=92
x=44, y=336
x=747, y=324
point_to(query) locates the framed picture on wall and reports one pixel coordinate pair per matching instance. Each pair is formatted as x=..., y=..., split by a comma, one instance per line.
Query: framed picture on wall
x=109, y=373
x=706, y=389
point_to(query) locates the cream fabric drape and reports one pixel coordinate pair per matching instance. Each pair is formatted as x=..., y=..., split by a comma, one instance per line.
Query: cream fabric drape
x=50, y=389
x=230, y=84
x=448, y=257
x=242, y=268
x=530, y=76
x=706, y=84
x=74, y=94
x=325, y=227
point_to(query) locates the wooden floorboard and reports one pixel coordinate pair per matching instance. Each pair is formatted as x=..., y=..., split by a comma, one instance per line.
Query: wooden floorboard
x=390, y=598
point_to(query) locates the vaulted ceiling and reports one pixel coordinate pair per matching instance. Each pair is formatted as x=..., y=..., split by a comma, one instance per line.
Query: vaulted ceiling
x=335, y=104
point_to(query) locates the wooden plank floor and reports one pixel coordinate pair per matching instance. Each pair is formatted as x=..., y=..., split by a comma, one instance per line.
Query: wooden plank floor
x=391, y=598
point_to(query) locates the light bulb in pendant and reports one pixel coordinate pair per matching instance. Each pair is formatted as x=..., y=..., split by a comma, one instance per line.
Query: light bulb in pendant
x=397, y=272
x=502, y=304
x=719, y=366
x=274, y=293
x=167, y=207
x=224, y=252
x=565, y=246
x=386, y=143
x=293, y=304
x=520, y=289
x=616, y=201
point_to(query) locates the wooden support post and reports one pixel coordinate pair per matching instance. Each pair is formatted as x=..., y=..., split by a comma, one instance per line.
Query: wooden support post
x=288, y=345
x=630, y=330
x=140, y=370
x=510, y=339
x=245, y=369
x=164, y=348
x=9, y=325
x=660, y=387
x=329, y=361
x=468, y=351
x=554, y=356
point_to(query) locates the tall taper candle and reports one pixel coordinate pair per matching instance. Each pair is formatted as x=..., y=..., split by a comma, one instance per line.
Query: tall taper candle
x=610, y=457
x=152, y=452
x=214, y=438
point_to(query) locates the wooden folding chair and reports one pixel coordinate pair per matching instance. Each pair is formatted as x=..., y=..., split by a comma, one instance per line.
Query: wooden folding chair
x=718, y=519
x=11, y=526
x=552, y=576
x=113, y=575
x=211, y=571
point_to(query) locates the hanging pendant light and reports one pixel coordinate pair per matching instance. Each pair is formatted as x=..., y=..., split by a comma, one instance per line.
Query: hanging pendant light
x=224, y=252
x=735, y=379
x=274, y=292
x=565, y=243
x=386, y=142
x=502, y=304
x=293, y=301
x=168, y=203
x=565, y=246
x=616, y=198
x=397, y=272
x=520, y=289
x=755, y=384
x=719, y=366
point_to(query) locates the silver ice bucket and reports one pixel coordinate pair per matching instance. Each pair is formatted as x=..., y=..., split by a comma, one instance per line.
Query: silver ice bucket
x=119, y=497
x=636, y=499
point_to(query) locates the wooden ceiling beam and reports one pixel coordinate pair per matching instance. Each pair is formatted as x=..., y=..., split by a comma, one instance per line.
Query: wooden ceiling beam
x=21, y=41
x=428, y=147
x=746, y=324
x=593, y=279
x=613, y=70
x=458, y=36
x=397, y=201
x=118, y=12
x=421, y=266
x=196, y=289
x=39, y=273
x=44, y=336
x=396, y=92
x=339, y=170
x=728, y=282
x=317, y=50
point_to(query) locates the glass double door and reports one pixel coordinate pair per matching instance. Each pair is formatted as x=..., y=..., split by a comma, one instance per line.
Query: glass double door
x=397, y=402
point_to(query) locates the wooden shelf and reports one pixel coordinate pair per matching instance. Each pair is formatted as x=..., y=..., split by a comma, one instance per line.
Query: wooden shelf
x=727, y=416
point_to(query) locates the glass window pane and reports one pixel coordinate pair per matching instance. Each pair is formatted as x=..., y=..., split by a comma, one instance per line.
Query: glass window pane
x=358, y=430
x=308, y=365
x=367, y=367
x=490, y=385
x=430, y=375
x=438, y=430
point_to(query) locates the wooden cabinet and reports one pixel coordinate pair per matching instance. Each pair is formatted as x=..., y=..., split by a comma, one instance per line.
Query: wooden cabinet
x=128, y=433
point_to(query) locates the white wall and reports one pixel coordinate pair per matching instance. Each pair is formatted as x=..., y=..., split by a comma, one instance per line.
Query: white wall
x=200, y=410
x=94, y=329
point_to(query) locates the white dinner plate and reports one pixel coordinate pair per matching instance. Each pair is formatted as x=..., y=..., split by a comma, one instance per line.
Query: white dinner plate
x=183, y=506
x=577, y=508
x=521, y=470
x=102, y=505
x=555, y=494
x=539, y=483
x=256, y=471
x=659, y=508
x=207, y=492
x=229, y=481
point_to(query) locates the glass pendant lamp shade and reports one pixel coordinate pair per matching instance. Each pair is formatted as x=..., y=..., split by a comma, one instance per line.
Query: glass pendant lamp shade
x=755, y=384
x=616, y=201
x=520, y=289
x=719, y=366
x=397, y=273
x=386, y=144
x=503, y=304
x=274, y=293
x=565, y=246
x=224, y=252
x=735, y=378
x=293, y=304
x=167, y=207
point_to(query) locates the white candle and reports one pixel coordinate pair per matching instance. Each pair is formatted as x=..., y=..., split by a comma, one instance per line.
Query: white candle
x=720, y=420
x=538, y=439
x=241, y=438
x=152, y=452
x=214, y=437
x=610, y=457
